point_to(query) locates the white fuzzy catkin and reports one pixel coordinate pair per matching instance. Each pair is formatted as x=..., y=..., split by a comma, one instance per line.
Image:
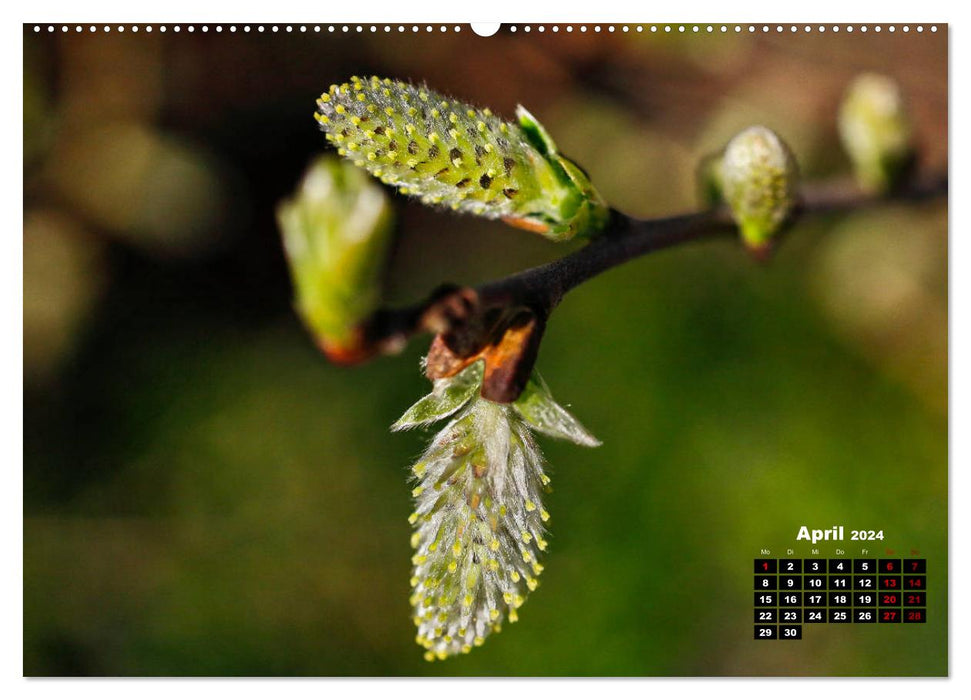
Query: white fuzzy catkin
x=479, y=519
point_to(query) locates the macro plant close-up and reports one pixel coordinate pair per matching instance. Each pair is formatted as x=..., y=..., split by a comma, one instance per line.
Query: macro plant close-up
x=275, y=329
x=479, y=515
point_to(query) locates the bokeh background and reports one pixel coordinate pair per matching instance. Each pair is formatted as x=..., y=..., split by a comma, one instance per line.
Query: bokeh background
x=205, y=495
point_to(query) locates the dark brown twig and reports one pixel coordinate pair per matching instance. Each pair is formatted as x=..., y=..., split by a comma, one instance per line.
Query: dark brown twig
x=475, y=323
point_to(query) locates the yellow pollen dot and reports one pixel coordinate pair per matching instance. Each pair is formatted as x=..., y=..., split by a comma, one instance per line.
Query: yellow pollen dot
x=372, y=109
x=467, y=600
x=478, y=641
x=515, y=576
x=453, y=133
x=531, y=584
x=541, y=544
x=361, y=97
x=415, y=539
x=325, y=97
x=456, y=549
x=414, y=581
x=413, y=518
x=452, y=566
x=487, y=112
x=481, y=127
x=412, y=111
x=422, y=95
x=339, y=109
x=429, y=656
x=386, y=92
x=544, y=515
x=433, y=547
x=513, y=616
x=493, y=614
x=436, y=113
x=530, y=506
x=494, y=545
x=417, y=491
x=507, y=598
x=453, y=117
x=419, y=559
x=526, y=556
x=466, y=648
x=389, y=111
x=527, y=538
x=434, y=137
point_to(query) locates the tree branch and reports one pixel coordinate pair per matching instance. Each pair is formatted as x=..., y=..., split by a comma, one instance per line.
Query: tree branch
x=481, y=322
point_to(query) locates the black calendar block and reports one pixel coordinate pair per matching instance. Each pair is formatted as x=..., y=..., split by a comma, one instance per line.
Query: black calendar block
x=837, y=616
x=790, y=599
x=890, y=600
x=766, y=617
x=839, y=600
x=864, y=615
x=889, y=583
x=814, y=583
x=915, y=566
x=864, y=600
x=814, y=615
x=766, y=583
x=840, y=566
x=889, y=615
x=791, y=566
x=790, y=583
x=864, y=566
x=790, y=616
x=766, y=632
x=814, y=566
x=889, y=566
x=811, y=599
x=790, y=631
x=913, y=599
x=915, y=583
x=839, y=583
x=766, y=599
x=864, y=583
x=765, y=566
x=915, y=615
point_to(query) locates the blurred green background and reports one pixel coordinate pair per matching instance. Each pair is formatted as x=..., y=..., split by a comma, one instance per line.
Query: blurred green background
x=205, y=495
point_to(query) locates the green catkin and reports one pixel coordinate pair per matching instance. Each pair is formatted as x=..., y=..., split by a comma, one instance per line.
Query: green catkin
x=453, y=155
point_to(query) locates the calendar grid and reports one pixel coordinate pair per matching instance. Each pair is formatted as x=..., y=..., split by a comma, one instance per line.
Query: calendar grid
x=790, y=593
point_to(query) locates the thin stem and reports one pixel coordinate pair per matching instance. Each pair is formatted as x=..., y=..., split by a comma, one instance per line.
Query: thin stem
x=539, y=289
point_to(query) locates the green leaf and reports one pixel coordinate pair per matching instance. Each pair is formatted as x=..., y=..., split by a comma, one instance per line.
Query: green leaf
x=447, y=396
x=544, y=415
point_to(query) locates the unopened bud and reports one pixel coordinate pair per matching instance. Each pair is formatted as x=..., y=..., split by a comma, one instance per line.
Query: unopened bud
x=335, y=232
x=875, y=132
x=759, y=179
